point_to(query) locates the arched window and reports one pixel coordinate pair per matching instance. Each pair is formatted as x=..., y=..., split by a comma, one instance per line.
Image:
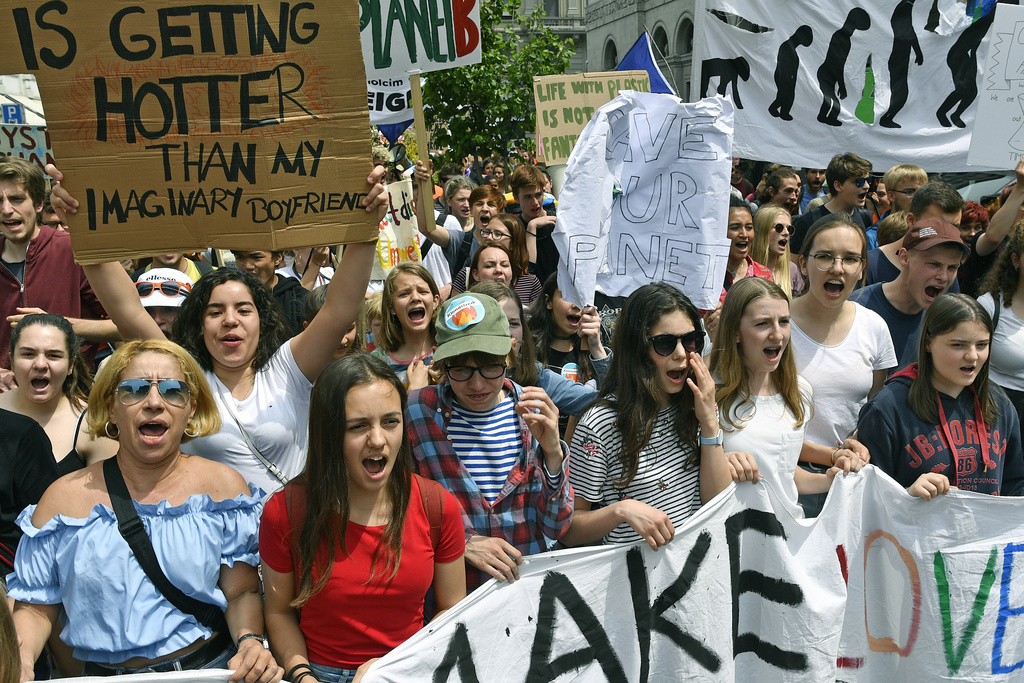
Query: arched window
x=684, y=37
x=661, y=40
x=611, y=56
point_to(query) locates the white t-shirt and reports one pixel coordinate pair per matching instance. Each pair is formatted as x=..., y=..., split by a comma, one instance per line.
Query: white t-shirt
x=662, y=479
x=325, y=275
x=841, y=376
x=275, y=415
x=1006, y=366
x=769, y=433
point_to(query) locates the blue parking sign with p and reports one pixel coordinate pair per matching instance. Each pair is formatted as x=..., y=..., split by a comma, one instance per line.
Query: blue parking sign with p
x=13, y=113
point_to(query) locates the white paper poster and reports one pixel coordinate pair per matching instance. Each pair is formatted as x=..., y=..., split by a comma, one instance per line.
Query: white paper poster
x=646, y=198
x=998, y=138
x=895, y=81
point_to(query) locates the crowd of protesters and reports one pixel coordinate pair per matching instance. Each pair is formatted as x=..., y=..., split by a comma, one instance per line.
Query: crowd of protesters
x=379, y=449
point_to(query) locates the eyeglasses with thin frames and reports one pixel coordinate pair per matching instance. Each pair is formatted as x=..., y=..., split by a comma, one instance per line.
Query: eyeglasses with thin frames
x=823, y=261
x=782, y=227
x=493, y=235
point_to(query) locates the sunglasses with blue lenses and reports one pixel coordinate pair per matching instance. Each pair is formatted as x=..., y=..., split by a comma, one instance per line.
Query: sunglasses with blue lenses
x=665, y=344
x=173, y=391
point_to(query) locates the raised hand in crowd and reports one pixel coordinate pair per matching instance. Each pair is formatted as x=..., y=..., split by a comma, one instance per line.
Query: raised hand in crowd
x=590, y=332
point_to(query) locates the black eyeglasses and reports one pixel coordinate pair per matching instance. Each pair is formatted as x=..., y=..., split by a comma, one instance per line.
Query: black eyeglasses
x=463, y=373
x=174, y=391
x=665, y=344
x=781, y=228
x=908, y=193
x=166, y=287
x=861, y=182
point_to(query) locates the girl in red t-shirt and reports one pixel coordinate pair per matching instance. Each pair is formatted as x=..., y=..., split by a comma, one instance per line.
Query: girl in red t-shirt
x=350, y=548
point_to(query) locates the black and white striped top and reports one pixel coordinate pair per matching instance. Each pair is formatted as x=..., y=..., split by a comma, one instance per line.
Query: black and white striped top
x=663, y=481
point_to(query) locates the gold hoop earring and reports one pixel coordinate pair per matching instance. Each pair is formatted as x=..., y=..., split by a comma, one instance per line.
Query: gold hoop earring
x=106, y=430
x=195, y=430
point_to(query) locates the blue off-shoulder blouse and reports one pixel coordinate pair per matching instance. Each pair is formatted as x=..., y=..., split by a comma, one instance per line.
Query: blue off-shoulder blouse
x=114, y=612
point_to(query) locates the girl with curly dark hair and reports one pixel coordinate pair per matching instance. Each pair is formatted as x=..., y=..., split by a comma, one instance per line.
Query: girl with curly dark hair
x=232, y=326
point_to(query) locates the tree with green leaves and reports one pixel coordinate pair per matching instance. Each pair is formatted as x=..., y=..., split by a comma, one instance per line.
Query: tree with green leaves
x=488, y=107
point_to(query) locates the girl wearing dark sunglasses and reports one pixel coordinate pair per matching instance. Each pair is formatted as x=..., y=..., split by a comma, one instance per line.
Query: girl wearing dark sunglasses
x=773, y=226
x=764, y=404
x=199, y=517
x=648, y=453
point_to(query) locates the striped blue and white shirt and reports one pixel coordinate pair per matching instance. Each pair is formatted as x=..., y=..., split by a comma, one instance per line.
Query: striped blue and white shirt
x=488, y=443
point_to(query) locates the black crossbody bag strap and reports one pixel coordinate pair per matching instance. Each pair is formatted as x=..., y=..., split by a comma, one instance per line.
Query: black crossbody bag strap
x=133, y=531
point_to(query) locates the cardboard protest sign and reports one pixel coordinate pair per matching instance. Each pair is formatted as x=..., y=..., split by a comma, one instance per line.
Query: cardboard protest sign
x=895, y=82
x=880, y=587
x=998, y=135
x=403, y=37
x=566, y=102
x=398, y=238
x=31, y=143
x=181, y=126
x=646, y=198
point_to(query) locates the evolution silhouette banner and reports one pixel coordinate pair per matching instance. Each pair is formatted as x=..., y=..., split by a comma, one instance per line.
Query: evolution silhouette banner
x=895, y=81
x=646, y=198
x=880, y=587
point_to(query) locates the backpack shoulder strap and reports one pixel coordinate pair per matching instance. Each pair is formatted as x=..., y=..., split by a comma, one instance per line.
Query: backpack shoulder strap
x=295, y=506
x=432, y=494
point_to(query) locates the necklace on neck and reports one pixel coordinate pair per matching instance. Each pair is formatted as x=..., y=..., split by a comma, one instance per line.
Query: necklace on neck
x=566, y=338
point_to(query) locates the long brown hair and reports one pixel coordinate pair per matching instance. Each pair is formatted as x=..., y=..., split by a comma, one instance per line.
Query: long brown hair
x=945, y=313
x=391, y=335
x=77, y=384
x=632, y=389
x=325, y=477
x=727, y=362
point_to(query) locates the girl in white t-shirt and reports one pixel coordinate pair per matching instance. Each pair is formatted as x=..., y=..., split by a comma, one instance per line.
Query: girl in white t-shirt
x=1005, y=283
x=841, y=348
x=764, y=405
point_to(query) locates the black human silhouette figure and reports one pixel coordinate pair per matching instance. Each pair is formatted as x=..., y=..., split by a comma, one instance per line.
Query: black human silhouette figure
x=728, y=72
x=933, y=17
x=787, y=67
x=962, y=60
x=830, y=73
x=904, y=39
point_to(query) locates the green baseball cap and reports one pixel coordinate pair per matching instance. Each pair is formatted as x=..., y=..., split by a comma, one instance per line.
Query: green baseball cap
x=471, y=323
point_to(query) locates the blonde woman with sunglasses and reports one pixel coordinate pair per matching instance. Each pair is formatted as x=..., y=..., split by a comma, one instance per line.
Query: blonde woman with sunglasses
x=198, y=518
x=773, y=226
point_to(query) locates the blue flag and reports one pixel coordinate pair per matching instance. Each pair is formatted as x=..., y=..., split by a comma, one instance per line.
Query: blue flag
x=641, y=58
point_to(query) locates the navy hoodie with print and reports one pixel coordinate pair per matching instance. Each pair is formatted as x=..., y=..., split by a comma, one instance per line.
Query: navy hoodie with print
x=904, y=446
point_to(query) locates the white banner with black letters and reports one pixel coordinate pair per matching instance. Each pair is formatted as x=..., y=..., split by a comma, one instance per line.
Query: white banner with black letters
x=895, y=81
x=646, y=198
x=745, y=592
